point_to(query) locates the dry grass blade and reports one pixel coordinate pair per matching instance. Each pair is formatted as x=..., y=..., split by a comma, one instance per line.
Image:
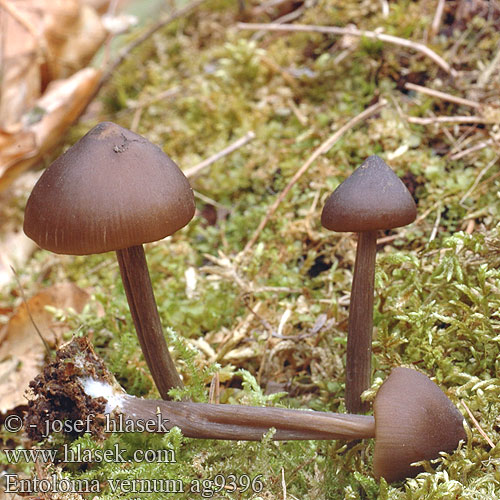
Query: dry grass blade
x=447, y=119
x=438, y=17
x=472, y=149
x=477, y=426
x=192, y=171
x=26, y=305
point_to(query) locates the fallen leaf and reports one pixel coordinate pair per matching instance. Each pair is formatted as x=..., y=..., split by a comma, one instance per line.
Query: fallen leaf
x=15, y=248
x=44, y=44
x=15, y=146
x=20, y=82
x=53, y=113
x=73, y=33
x=10, y=496
x=22, y=352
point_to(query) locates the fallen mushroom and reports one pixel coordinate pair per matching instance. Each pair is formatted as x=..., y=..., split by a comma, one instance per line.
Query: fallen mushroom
x=371, y=198
x=114, y=190
x=414, y=420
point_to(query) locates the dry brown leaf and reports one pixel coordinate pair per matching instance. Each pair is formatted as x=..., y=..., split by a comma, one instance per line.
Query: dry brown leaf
x=41, y=42
x=15, y=248
x=16, y=146
x=73, y=33
x=53, y=113
x=20, y=81
x=10, y=496
x=21, y=351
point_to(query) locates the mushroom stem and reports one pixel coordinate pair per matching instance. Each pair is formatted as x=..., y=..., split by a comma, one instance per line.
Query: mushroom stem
x=414, y=420
x=250, y=423
x=359, y=338
x=141, y=300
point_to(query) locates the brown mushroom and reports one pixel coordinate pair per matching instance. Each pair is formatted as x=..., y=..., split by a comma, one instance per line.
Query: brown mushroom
x=114, y=190
x=371, y=198
x=414, y=420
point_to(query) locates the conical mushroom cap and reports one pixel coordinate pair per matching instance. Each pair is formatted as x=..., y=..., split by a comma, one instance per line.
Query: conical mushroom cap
x=414, y=420
x=372, y=197
x=111, y=190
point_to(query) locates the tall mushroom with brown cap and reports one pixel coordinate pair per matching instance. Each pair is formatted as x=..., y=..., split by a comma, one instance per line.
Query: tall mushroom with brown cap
x=371, y=198
x=114, y=190
x=414, y=420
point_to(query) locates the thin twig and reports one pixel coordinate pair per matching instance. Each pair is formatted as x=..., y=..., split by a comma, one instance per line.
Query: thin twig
x=192, y=171
x=286, y=18
x=334, y=30
x=472, y=149
x=436, y=22
x=436, y=224
x=25, y=302
x=485, y=76
x=464, y=139
x=283, y=482
x=385, y=7
x=447, y=119
x=322, y=149
x=442, y=95
x=477, y=180
x=172, y=92
x=214, y=393
x=23, y=21
x=476, y=424
x=139, y=106
x=403, y=231
x=210, y=201
x=267, y=7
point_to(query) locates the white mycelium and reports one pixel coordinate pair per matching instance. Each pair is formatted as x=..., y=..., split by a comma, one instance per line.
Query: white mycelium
x=97, y=389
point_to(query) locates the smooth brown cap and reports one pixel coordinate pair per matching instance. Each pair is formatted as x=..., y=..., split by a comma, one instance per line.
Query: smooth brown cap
x=414, y=420
x=372, y=197
x=111, y=190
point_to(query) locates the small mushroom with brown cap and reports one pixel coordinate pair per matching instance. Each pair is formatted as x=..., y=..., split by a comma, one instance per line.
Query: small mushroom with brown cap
x=114, y=190
x=414, y=420
x=371, y=198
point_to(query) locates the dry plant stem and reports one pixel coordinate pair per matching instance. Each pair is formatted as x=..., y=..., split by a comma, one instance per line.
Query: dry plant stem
x=249, y=423
x=359, y=338
x=334, y=30
x=476, y=424
x=249, y=136
x=322, y=149
x=447, y=119
x=442, y=95
x=141, y=300
x=438, y=16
